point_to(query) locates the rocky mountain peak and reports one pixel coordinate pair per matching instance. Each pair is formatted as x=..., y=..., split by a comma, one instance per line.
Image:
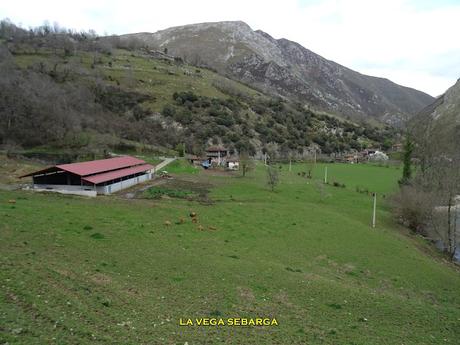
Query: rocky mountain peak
x=286, y=68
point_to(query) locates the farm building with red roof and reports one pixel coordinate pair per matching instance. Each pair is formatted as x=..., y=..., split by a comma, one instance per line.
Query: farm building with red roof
x=104, y=176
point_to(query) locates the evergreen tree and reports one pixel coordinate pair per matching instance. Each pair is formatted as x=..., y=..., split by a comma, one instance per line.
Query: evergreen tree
x=407, y=161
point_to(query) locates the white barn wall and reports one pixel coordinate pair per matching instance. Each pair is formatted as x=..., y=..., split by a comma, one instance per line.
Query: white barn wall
x=115, y=187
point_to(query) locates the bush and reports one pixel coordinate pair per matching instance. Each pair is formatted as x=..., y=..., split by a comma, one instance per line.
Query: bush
x=180, y=148
x=413, y=208
x=362, y=190
x=185, y=96
x=168, y=110
x=158, y=192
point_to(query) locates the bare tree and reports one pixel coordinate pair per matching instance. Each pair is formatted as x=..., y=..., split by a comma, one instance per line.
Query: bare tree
x=272, y=177
x=321, y=189
x=311, y=163
x=443, y=222
x=429, y=201
x=246, y=163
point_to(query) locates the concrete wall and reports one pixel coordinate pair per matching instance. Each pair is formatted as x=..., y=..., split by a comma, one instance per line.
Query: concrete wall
x=65, y=189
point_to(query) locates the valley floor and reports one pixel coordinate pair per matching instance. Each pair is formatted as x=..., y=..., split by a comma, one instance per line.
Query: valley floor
x=112, y=270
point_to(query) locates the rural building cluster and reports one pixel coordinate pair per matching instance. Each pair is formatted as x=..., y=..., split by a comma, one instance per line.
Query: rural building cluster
x=216, y=156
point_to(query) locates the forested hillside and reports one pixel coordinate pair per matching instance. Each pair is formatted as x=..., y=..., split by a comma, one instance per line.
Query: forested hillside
x=65, y=89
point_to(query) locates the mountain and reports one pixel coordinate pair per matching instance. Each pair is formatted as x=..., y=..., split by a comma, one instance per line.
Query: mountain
x=70, y=95
x=286, y=68
x=442, y=117
x=446, y=108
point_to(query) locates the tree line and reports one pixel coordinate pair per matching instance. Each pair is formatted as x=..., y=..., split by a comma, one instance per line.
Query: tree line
x=429, y=198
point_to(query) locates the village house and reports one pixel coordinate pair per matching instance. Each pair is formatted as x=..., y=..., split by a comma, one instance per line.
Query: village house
x=398, y=147
x=217, y=155
x=373, y=154
x=351, y=158
x=197, y=160
x=220, y=156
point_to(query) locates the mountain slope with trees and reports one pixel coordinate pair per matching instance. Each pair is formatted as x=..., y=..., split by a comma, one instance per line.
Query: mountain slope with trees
x=283, y=67
x=75, y=90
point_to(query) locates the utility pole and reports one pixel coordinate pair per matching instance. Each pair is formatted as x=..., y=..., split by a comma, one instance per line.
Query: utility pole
x=375, y=206
x=290, y=165
x=265, y=158
x=325, y=174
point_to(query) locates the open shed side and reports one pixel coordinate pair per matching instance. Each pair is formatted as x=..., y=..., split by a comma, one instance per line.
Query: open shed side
x=103, y=176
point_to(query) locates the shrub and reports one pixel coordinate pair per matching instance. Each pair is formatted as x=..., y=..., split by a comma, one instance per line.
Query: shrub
x=97, y=236
x=185, y=96
x=158, y=192
x=413, y=208
x=168, y=110
x=362, y=190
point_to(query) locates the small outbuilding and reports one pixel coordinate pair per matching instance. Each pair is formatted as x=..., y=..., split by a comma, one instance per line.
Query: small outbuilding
x=232, y=163
x=104, y=176
x=196, y=160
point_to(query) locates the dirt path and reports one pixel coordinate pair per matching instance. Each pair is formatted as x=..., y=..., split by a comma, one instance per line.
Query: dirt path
x=163, y=164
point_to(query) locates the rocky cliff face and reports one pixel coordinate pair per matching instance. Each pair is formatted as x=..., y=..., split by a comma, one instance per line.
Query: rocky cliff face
x=286, y=68
x=443, y=114
x=447, y=106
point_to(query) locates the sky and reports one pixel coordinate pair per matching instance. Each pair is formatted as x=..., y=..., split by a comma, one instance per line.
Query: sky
x=411, y=42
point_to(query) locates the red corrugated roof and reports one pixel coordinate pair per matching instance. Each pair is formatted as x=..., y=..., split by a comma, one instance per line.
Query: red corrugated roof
x=112, y=175
x=92, y=167
x=216, y=148
x=101, y=165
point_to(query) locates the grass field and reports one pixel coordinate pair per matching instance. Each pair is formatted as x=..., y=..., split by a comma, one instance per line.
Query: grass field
x=181, y=166
x=115, y=271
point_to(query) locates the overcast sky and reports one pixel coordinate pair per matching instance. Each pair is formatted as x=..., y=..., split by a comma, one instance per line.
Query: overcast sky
x=412, y=42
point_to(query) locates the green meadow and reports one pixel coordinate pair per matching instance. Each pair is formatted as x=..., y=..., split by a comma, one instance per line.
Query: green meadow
x=112, y=270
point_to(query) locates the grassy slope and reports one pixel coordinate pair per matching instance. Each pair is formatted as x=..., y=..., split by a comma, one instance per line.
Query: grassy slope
x=12, y=168
x=313, y=263
x=135, y=71
x=159, y=78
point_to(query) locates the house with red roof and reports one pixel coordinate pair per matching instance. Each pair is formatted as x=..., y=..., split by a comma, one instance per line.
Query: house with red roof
x=103, y=176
